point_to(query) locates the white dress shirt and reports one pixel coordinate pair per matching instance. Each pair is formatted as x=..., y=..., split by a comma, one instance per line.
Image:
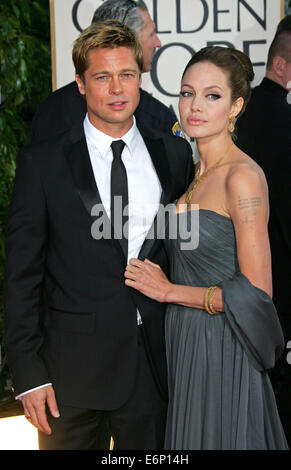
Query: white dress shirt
x=144, y=188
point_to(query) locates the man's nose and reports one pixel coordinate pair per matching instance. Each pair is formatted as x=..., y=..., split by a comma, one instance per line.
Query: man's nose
x=157, y=42
x=116, y=85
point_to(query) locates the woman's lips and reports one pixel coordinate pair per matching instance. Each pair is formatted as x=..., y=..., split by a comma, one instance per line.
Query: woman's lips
x=195, y=121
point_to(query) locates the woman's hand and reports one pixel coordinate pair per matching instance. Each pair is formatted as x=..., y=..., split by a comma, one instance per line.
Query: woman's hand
x=148, y=278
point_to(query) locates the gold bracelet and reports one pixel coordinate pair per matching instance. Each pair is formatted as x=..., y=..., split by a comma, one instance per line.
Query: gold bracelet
x=210, y=304
x=208, y=300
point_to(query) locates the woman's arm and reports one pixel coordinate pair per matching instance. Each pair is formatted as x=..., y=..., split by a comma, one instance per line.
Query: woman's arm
x=150, y=280
x=248, y=206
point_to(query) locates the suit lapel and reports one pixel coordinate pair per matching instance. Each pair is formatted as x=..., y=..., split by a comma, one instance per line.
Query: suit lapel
x=77, y=155
x=78, y=159
x=157, y=151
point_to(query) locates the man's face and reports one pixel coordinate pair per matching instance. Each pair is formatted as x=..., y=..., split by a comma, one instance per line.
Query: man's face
x=111, y=86
x=148, y=39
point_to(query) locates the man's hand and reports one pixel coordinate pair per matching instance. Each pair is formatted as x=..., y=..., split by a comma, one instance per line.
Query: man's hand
x=34, y=404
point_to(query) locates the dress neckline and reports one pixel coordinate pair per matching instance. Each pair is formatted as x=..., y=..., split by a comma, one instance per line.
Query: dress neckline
x=203, y=210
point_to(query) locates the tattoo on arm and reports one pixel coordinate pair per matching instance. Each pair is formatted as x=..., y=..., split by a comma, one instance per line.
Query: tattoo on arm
x=250, y=202
x=249, y=207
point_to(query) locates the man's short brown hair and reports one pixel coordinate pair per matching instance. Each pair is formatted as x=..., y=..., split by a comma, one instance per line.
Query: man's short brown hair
x=108, y=34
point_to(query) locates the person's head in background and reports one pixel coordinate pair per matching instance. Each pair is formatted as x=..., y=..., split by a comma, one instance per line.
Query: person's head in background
x=279, y=55
x=135, y=15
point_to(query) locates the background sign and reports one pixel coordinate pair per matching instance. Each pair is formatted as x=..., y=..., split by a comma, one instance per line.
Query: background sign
x=183, y=26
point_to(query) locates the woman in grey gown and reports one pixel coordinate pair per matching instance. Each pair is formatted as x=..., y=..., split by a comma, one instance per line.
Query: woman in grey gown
x=222, y=330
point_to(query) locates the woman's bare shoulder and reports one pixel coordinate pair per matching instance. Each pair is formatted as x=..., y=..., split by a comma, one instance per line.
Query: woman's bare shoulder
x=245, y=173
x=246, y=189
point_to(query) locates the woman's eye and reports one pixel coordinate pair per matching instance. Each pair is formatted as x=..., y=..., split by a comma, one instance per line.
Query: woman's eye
x=213, y=96
x=185, y=94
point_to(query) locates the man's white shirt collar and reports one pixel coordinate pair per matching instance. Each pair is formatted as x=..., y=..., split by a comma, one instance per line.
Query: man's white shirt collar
x=103, y=141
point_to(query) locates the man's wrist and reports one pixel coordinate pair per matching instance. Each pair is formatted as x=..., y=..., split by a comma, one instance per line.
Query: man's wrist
x=31, y=390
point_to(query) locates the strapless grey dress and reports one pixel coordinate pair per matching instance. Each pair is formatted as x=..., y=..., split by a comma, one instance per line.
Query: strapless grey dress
x=220, y=395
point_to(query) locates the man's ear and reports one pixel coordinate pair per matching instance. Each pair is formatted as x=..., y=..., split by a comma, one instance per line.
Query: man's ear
x=81, y=84
x=279, y=65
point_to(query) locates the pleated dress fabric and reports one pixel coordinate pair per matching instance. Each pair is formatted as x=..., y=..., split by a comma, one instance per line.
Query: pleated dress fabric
x=218, y=399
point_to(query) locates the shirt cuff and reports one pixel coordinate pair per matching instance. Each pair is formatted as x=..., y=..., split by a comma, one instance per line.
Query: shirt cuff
x=32, y=390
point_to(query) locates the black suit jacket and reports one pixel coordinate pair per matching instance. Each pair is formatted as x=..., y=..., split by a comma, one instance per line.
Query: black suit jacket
x=85, y=343
x=264, y=133
x=66, y=107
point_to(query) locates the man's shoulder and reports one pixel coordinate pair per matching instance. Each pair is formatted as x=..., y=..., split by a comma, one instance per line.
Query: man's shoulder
x=50, y=146
x=268, y=99
x=58, y=112
x=175, y=146
x=151, y=105
x=156, y=133
x=65, y=94
x=153, y=113
x=269, y=93
x=66, y=90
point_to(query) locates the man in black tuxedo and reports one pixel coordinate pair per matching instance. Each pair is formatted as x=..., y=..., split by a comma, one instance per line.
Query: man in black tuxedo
x=264, y=134
x=98, y=348
x=66, y=106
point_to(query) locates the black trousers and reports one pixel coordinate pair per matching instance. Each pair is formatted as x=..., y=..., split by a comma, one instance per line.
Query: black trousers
x=137, y=425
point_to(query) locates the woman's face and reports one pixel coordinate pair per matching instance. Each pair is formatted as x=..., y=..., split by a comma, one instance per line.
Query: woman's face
x=205, y=103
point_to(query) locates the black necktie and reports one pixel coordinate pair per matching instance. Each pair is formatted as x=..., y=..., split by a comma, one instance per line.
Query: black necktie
x=119, y=188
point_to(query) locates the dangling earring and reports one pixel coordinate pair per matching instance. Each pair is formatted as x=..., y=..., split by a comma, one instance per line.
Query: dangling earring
x=231, y=125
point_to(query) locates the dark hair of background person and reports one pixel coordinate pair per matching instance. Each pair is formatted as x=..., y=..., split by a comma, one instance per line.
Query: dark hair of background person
x=284, y=25
x=281, y=42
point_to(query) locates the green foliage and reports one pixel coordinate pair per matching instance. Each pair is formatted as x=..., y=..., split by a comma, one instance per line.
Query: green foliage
x=25, y=80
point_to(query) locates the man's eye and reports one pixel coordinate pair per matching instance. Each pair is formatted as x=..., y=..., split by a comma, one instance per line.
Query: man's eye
x=101, y=77
x=127, y=75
